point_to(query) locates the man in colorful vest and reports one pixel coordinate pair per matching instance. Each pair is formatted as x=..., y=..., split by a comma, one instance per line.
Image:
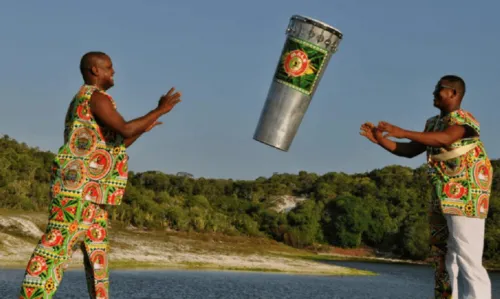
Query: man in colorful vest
x=89, y=173
x=461, y=176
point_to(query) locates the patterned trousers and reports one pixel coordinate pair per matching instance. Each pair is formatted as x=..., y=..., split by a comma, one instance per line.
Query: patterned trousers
x=438, y=242
x=72, y=223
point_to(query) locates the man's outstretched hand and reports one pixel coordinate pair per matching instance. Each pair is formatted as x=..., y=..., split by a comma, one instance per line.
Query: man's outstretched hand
x=169, y=100
x=391, y=130
x=369, y=131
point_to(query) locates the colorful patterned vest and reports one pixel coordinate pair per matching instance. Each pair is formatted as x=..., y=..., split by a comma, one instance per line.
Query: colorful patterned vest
x=462, y=186
x=92, y=164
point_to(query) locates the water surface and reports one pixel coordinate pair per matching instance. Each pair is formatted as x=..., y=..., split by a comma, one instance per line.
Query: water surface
x=394, y=282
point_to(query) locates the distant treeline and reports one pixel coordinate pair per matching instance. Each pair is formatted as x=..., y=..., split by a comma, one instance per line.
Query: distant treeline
x=385, y=209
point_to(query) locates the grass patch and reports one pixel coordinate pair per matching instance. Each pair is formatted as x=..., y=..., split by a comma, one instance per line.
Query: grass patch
x=126, y=265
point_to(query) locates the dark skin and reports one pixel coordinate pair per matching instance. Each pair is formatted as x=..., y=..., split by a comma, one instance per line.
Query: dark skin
x=100, y=73
x=447, y=98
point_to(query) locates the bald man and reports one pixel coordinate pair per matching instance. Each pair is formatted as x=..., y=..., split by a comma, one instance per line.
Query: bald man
x=89, y=173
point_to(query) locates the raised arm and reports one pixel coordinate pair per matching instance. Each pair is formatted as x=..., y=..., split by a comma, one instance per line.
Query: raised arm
x=435, y=139
x=401, y=149
x=104, y=112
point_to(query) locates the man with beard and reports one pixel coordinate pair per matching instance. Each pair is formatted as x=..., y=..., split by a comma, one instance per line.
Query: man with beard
x=461, y=175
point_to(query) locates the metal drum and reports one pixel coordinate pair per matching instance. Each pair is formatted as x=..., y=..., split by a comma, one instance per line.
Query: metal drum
x=304, y=58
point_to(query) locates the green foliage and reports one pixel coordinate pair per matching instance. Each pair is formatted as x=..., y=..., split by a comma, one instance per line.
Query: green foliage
x=385, y=209
x=346, y=219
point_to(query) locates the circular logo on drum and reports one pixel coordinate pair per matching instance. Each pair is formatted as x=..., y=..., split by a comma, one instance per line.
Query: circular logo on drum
x=83, y=141
x=296, y=63
x=92, y=192
x=73, y=175
x=99, y=164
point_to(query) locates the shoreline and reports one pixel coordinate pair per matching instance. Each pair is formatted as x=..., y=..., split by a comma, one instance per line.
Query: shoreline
x=133, y=249
x=190, y=266
x=307, y=264
x=193, y=266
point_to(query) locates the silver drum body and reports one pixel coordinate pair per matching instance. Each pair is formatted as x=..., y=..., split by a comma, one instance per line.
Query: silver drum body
x=305, y=56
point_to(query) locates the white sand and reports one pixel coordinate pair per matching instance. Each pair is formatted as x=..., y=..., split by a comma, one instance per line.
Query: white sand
x=20, y=234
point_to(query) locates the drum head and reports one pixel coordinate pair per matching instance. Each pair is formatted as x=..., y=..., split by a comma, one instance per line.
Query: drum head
x=319, y=24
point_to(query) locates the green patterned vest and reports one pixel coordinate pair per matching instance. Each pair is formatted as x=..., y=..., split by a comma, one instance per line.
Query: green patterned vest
x=92, y=164
x=462, y=185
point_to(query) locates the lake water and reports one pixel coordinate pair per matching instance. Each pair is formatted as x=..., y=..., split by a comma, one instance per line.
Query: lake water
x=394, y=281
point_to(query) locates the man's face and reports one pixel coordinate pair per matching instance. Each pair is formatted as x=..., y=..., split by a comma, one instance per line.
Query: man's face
x=105, y=72
x=444, y=94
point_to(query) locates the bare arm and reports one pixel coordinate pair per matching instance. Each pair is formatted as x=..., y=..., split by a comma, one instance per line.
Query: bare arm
x=103, y=110
x=401, y=149
x=408, y=149
x=439, y=139
x=129, y=141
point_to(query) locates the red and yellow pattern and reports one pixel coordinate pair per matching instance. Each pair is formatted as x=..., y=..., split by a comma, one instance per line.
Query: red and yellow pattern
x=90, y=171
x=92, y=163
x=45, y=268
x=462, y=181
x=462, y=186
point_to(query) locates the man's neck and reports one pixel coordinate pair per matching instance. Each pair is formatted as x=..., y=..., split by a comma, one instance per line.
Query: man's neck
x=93, y=83
x=445, y=112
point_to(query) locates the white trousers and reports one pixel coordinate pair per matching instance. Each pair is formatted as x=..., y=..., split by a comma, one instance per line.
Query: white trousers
x=469, y=279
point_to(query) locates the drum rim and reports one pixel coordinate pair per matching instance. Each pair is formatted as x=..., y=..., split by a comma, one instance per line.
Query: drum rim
x=318, y=23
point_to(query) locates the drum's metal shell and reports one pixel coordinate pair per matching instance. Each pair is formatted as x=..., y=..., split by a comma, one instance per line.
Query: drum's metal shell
x=286, y=106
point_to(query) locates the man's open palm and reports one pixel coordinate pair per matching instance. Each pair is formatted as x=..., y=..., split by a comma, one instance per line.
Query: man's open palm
x=368, y=130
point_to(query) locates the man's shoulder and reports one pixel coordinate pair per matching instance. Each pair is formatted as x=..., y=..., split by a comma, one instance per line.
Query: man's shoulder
x=99, y=95
x=430, y=122
x=466, y=114
x=463, y=116
x=85, y=91
x=431, y=119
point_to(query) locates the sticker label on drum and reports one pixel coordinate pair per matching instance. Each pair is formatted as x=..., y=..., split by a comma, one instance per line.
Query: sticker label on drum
x=300, y=64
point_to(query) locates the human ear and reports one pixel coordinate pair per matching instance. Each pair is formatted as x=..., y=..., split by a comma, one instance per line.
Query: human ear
x=94, y=70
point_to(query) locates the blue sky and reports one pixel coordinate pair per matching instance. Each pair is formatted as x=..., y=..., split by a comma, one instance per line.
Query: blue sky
x=222, y=55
